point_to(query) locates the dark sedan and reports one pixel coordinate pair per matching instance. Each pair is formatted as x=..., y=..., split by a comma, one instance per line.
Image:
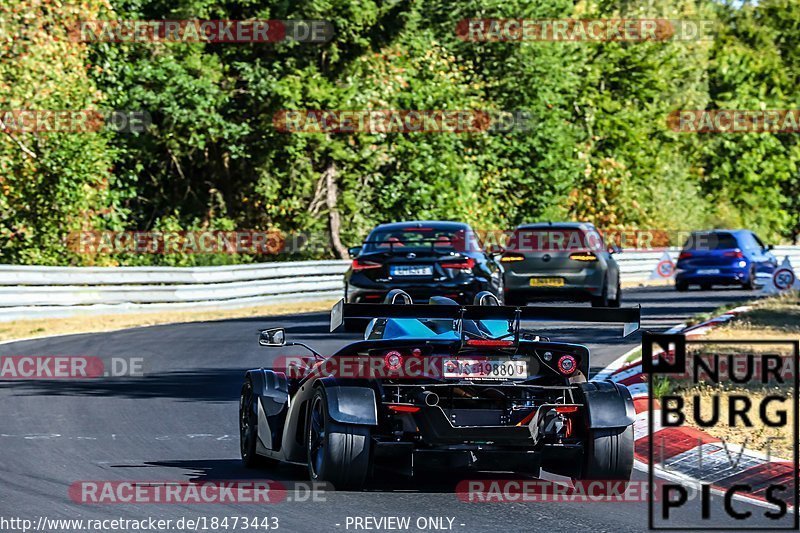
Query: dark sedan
x=425, y=259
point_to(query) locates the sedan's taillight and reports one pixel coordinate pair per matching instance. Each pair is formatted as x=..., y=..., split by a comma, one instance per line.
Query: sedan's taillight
x=461, y=264
x=684, y=255
x=360, y=264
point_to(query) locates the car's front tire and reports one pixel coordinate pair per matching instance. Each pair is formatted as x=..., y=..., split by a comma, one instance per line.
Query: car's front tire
x=681, y=286
x=337, y=453
x=608, y=454
x=248, y=429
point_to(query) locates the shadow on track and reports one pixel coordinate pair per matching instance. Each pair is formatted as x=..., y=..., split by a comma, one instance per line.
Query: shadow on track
x=208, y=385
x=292, y=476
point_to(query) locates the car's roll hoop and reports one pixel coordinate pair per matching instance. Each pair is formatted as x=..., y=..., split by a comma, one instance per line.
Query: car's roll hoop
x=629, y=316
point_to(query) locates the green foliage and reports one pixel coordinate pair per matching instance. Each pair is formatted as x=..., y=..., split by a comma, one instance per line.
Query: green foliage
x=50, y=182
x=754, y=178
x=597, y=147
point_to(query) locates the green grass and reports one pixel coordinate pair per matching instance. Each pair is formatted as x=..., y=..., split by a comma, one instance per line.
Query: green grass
x=661, y=386
x=635, y=355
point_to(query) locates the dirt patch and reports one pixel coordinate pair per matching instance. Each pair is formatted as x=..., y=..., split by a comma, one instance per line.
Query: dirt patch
x=777, y=317
x=760, y=437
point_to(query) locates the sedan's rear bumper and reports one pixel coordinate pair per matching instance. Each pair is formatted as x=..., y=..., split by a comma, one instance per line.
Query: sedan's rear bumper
x=581, y=284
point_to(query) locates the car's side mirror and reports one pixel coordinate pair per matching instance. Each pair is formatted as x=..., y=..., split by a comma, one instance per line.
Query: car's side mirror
x=770, y=247
x=353, y=251
x=614, y=249
x=272, y=337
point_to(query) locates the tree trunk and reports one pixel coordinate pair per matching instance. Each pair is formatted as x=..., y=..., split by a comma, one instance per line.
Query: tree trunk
x=334, y=223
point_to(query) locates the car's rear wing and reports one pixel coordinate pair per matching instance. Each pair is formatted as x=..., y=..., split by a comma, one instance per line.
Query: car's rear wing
x=629, y=316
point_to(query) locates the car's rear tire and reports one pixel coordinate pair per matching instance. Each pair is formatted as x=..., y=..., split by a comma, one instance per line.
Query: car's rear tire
x=608, y=454
x=602, y=300
x=705, y=286
x=248, y=429
x=681, y=286
x=617, y=301
x=337, y=453
x=750, y=284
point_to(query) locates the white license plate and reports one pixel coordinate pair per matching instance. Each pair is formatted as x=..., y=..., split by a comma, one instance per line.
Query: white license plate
x=708, y=271
x=411, y=270
x=485, y=369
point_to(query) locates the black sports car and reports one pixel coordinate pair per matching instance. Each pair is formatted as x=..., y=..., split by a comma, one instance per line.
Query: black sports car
x=441, y=386
x=424, y=259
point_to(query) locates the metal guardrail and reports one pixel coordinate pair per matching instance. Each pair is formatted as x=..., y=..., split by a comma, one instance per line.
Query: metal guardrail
x=39, y=292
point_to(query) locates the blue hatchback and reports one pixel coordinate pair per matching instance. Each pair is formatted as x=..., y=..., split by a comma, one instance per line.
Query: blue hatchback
x=724, y=257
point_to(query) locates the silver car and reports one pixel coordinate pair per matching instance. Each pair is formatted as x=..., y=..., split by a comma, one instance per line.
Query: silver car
x=561, y=260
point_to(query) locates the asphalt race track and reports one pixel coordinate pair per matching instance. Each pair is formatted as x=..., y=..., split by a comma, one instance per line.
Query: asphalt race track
x=179, y=423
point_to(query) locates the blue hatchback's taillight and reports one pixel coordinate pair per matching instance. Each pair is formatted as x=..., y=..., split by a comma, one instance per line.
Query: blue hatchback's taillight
x=734, y=253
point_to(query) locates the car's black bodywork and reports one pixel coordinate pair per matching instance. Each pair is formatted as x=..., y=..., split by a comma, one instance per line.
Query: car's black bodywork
x=344, y=425
x=424, y=259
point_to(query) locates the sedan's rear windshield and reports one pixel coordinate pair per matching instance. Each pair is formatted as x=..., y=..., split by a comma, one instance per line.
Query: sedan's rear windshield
x=418, y=239
x=553, y=240
x=711, y=241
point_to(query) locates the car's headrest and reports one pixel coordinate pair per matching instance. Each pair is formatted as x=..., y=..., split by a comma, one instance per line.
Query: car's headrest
x=486, y=298
x=442, y=300
x=398, y=296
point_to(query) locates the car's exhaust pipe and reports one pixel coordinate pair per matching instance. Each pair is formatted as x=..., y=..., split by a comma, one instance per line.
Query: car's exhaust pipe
x=431, y=399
